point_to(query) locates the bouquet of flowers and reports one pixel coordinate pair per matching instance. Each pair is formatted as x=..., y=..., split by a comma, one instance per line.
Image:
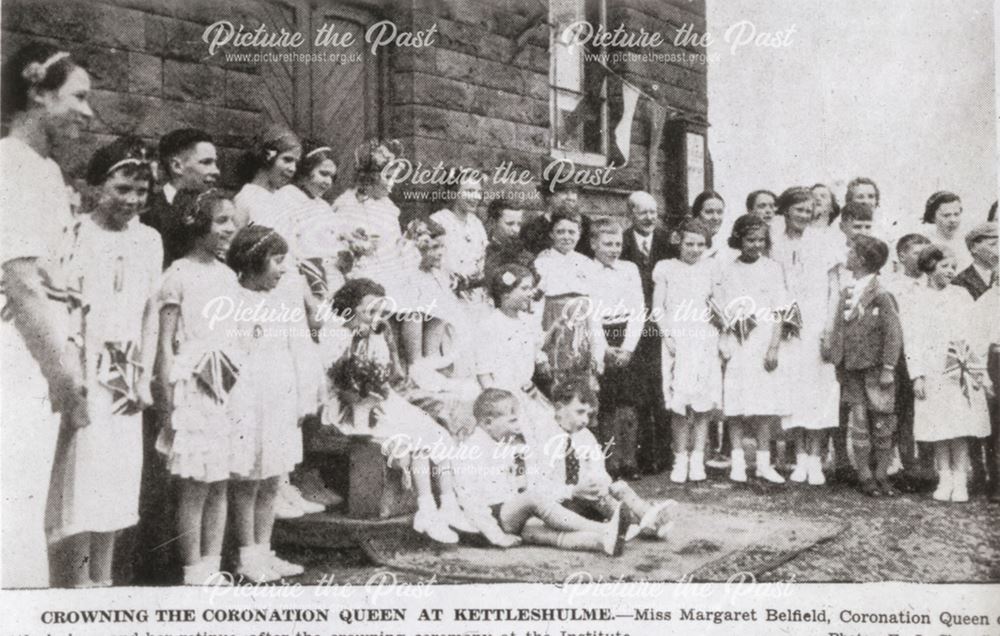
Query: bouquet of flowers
x=363, y=370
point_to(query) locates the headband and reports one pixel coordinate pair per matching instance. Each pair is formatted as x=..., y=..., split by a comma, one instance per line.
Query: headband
x=260, y=241
x=318, y=150
x=129, y=161
x=36, y=71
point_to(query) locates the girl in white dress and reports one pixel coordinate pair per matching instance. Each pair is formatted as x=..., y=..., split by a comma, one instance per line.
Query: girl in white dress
x=267, y=166
x=692, y=370
x=368, y=380
x=95, y=492
x=45, y=98
x=197, y=366
x=804, y=252
x=465, y=237
x=755, y=387
x=946, y=349
x=437, y=336
x=265, y=404
x=508, y=357
x=366, y=211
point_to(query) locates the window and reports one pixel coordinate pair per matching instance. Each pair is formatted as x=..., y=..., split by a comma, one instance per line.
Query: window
x=577, y=85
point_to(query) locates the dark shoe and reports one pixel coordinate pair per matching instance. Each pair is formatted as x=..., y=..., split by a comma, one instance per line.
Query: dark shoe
x=845, y=476
x=887, y=488
x=869, y=487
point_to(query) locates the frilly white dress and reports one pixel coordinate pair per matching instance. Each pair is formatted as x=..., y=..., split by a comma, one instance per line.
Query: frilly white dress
x=197, y=442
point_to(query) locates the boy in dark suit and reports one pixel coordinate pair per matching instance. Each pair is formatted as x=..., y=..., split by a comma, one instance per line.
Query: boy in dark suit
x=865, y=346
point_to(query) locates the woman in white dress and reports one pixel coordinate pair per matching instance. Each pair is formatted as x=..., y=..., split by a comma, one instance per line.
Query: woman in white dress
x=95, y=483
x=692, y=369
x=946, y=350
x=266, y=167
x=943, y=226
x=45, y=95
x=802, y=250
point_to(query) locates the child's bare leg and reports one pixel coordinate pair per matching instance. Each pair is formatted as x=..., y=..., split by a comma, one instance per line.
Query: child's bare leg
x=244, y=497
x=190, y=511
x=680, y=427
x=738, y=470
x=214, y=519
x=263, y=514
x=765, y=469
x=578, y=540
x=961, y=464
x=102, y=550
x=420, y=468
x=623, y=492
x=699, y=431
x=516, y=512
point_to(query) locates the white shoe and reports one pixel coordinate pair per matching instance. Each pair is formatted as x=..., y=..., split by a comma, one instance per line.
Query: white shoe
x=652, y=515
x=946, y=484
x=765, y=470
x=960, y=490
x=195, y=574
x=696, y=466
x=282, y=567
x=254, y=567
x=430, y=524
x=285, y=508
x=632, y=532
x=452, y=515
x=815, y=471
x=679, y=473
x=801, y=471
x=738, y=471
x=664, y=530
x=292, y=494
x=213, y=572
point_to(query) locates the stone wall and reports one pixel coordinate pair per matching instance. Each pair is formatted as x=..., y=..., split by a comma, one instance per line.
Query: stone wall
x=475, y=98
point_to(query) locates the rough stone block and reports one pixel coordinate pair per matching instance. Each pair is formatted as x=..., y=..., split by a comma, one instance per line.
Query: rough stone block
x=187, y=82
x=145, y=74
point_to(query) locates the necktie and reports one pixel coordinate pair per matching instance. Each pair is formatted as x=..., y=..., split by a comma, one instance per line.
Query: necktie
x=519, y=469
x=572, y=463
x=644, y=246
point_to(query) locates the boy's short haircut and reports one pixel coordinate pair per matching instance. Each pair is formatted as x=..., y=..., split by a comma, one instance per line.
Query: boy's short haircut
x=856, y=212
x=604, y=225
x=564, y=392
x=872, y=251
x=490, y=403
x=177, y=141
x=858, y=181
x=909, y=240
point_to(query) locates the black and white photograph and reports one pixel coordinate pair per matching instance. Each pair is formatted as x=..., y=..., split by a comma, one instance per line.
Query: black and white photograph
x=692, y=304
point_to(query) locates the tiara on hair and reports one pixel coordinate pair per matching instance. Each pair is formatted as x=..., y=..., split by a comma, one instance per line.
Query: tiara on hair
x=259, y=242
x=36, y=71
x=141, y=160
x=318, y=150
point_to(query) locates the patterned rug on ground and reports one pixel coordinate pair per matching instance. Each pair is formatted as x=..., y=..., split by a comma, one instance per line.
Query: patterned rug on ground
x=706, y=544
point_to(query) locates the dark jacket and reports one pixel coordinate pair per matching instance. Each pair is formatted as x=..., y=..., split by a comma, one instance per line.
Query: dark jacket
x=659, y=249
x=872, y=337
x=970, y=279
x=535, y=235
x=161, y=216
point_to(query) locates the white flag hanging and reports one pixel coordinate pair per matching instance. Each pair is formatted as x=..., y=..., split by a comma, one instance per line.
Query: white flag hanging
x=623, y=131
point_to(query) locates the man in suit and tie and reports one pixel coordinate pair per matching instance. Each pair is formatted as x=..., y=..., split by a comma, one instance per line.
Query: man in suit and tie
x=645, y=244
x=977, y=279
x=188, y=161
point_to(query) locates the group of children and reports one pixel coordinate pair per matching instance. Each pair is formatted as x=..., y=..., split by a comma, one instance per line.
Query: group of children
x=482, y=361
